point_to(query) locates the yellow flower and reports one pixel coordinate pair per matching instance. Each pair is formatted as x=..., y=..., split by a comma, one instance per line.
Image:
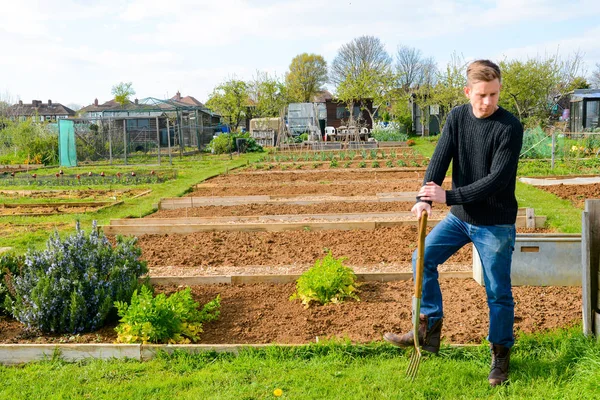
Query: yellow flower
x=277, y=392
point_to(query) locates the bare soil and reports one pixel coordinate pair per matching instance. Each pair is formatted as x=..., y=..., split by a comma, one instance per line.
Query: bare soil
x=262, y=313
x=576, y=194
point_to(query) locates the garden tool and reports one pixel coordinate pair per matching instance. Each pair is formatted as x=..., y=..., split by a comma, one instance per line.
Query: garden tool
x=415, y=359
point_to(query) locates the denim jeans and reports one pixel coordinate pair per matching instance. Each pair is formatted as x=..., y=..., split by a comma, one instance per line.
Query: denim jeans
x=495, y=244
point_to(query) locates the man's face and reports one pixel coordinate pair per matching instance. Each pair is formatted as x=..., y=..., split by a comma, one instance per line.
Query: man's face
x=483, y=96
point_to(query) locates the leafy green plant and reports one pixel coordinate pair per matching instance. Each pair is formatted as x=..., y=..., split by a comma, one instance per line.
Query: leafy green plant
x=328, y=281
x=375, y=164
x=389, y=163
x=333, y=164
x=348, y=164
x=316, y=165
x=401, y=163
x=362, y=164
x=72, y=285
x=162, y=319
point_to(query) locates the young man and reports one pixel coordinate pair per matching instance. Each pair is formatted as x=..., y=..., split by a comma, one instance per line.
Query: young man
x=483, y=142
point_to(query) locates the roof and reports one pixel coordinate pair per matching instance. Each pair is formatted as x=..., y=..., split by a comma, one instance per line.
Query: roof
x=580, y=94
x=41, y=109
x=189, y=100
x=146, y=105
x=322, y=96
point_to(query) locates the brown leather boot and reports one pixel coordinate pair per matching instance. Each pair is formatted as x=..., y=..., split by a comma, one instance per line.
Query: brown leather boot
x=500, y=363
x=428, y=339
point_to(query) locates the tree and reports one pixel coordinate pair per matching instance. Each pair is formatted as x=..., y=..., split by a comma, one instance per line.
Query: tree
x=269, y=95
x=527, y=88
x=449, y=88
x=411, y=67
x=595, y=78
x=306, y=77
x=362, y=71
x=122, y=92
x=230, y=99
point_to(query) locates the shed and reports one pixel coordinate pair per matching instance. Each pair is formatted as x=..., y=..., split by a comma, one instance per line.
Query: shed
x=585, y=110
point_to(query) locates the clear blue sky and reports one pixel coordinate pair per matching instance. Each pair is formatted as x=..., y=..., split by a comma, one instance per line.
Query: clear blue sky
x=72, y=51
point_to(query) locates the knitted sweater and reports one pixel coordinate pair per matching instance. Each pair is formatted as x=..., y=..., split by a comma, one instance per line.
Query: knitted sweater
x=484, y=154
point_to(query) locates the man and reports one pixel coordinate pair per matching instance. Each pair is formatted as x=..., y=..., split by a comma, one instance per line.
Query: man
x=483, y=142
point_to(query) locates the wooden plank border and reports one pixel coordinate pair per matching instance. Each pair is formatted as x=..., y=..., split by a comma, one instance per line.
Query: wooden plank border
x=289, y=278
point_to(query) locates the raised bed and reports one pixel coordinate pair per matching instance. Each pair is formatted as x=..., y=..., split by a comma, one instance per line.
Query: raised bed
x=259, y=314
x=278, y=223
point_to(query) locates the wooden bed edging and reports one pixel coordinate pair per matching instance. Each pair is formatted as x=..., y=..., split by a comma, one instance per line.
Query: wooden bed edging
x=289, y=278
x=14, y=354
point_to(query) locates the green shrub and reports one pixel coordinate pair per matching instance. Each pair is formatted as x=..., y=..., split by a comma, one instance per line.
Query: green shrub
x=226, y=143
x=72, y=285
x=362, y=164
x=392, y=132
x=28, y=143
x=375, y=164
x=329, y=280
x=162, y=319
x=10, y=266
x=333, y=163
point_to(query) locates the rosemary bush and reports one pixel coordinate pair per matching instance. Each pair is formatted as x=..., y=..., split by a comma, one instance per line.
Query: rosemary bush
x=71, y=286
x=328, y=281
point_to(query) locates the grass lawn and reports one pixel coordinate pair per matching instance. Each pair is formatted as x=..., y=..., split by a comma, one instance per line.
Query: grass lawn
x=559, y=365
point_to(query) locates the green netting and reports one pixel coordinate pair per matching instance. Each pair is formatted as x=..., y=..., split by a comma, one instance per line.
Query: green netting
x=66, y=143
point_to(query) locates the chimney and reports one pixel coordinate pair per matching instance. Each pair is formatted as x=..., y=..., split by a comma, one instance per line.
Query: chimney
x=49, y=102
x=178, y=96
x=96, y=102
x=20, y=102
x=136, y=101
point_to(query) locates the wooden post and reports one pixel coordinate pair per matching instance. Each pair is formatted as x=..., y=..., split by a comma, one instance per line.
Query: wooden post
x=110, y=130
x=158, y=140
x=169, y=141
x=590, y=259
x=529, y=218
x=125, y=139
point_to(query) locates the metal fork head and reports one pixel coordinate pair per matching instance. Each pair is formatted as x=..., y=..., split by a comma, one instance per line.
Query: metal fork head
x=413, y=365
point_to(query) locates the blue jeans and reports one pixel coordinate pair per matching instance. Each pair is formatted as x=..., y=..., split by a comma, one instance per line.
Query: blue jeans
x=495, y=244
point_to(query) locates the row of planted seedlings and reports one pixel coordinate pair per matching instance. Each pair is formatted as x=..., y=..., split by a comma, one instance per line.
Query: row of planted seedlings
x=333, y=164
x=365, y=158
x=60, y=294
x=341, y=155
x=85, y=178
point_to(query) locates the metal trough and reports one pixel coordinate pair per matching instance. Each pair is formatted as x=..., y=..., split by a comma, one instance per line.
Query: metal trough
x=542, y=259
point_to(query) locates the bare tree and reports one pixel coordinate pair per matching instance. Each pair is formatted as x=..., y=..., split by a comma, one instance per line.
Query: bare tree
x=362, y=54
x=410, y=66
x=362, y=72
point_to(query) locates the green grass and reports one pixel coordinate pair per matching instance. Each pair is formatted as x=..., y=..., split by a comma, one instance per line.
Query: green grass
x=190, y=171
x=558, y=365
x=561, y=214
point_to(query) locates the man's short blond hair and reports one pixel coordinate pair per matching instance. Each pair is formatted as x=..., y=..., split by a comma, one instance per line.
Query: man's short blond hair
x=482, y=70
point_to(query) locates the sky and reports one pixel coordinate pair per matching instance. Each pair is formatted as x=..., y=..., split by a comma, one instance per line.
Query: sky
x=74, y=51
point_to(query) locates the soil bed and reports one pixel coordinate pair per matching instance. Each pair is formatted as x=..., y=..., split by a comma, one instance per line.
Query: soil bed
x=325, y=188
x=289, y=252
x=576, y=194
x=80, y=194
x=247, y=178
x=262, y=313
x=279, y=209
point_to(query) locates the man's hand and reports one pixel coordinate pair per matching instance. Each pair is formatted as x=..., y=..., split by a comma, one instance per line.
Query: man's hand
x=419, y=207
x=432, y=192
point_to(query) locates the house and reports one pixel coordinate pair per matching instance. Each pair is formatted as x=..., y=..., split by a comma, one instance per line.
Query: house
x=39, y=112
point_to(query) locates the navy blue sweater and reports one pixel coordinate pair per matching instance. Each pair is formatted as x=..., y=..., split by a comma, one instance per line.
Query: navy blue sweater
x=484, y=154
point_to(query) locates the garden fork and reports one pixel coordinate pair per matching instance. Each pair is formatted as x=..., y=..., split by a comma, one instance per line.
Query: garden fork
x=415, y=359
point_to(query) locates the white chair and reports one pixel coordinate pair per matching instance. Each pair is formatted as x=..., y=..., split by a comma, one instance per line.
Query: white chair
x=329, y=132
